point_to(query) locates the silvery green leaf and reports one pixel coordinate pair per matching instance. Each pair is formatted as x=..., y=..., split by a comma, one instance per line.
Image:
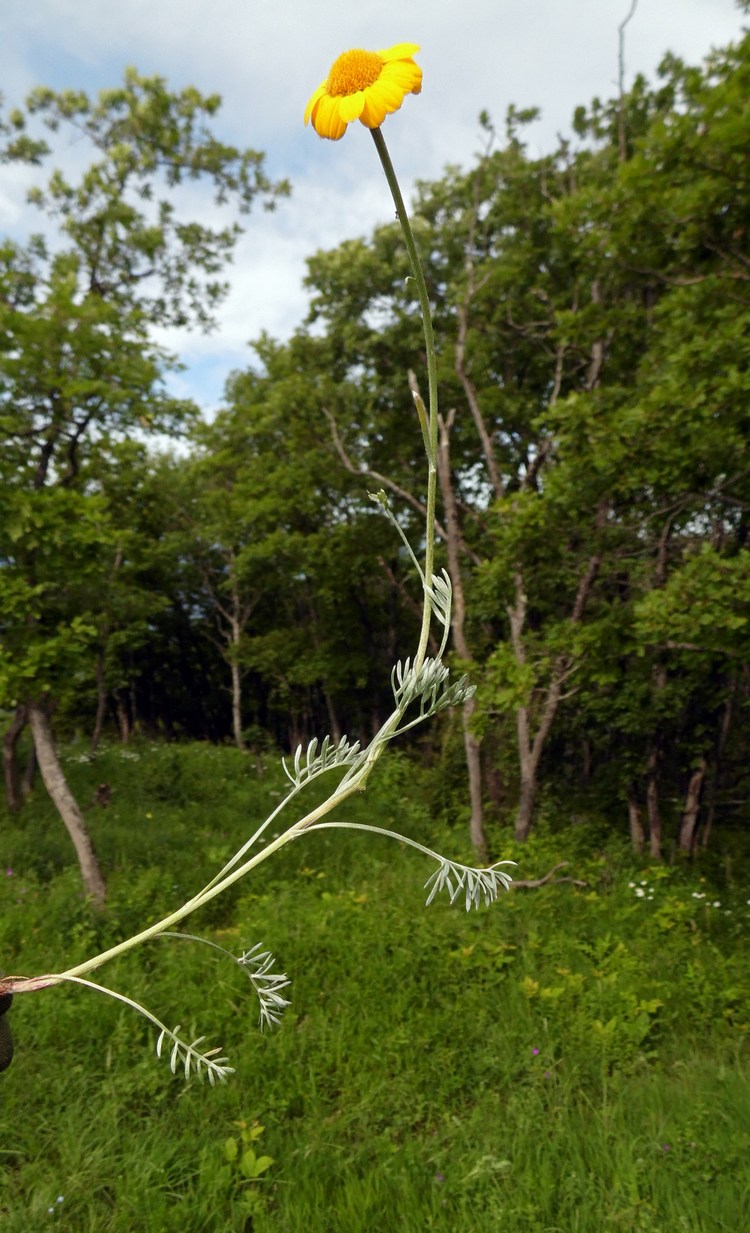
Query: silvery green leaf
x=267, y=984
x=316, y=761
x=478, y=884
x=455, y=694
x=194, y=1060
x=441, y=596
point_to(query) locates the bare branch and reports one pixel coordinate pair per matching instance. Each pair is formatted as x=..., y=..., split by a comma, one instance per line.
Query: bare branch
x=383, y=480
x=533, y=883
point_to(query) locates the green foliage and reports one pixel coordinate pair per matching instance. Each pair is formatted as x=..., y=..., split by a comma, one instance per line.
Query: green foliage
x=705, y=604
x=81, y=369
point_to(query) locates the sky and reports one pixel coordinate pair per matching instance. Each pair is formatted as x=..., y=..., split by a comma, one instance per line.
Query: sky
x=265, y=57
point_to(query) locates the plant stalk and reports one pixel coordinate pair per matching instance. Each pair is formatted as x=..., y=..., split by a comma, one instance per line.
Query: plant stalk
x=429, y=341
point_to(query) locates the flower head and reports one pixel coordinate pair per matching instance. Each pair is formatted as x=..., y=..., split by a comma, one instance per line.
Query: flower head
x=365, y=86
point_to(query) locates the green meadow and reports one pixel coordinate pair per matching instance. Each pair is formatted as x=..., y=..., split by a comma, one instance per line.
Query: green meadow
x=573, y=1059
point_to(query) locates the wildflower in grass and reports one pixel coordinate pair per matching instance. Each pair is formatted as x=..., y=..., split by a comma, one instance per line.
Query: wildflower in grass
x=535, y=1051
x=9, y=873
x=365, y=86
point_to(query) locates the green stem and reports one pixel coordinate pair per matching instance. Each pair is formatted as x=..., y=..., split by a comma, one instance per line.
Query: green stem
x=429, y=340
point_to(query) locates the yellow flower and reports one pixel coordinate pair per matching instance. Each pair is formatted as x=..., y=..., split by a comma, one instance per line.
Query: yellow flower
x=365, y=86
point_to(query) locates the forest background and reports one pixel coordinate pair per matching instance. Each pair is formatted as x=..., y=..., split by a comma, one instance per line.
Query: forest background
x=237, y=585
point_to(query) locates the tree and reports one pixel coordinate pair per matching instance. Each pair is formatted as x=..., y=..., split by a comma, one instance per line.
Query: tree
x=80, y=364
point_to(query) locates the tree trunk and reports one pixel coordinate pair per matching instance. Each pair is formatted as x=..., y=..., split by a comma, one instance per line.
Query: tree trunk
x=474, y=767
x=10, y=759
x=689, y=820
x=123, y=718
x=239, y=740
x=334, y=726
x=57, y=786
x=530, y=747
x=101, y=703
x=637, y=834
x=652, y=808
x=29, y=772
x=721, y=744
x=526, y=799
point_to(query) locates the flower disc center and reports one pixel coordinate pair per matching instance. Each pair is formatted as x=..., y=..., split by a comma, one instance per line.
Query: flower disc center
x=353, y=71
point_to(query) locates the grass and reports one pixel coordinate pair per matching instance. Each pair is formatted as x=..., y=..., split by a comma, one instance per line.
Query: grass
x=573, y=1059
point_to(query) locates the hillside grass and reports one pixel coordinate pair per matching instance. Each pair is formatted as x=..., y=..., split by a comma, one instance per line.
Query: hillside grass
x=572, y=1060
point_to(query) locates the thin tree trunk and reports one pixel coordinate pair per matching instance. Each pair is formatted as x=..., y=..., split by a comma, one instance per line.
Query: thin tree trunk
x=239, y=739
x=29, y=772
x=101, y=680
x=652, y=807
x=530, y=753
x=526, y=797
x=134, y=720
x=472, y=749
x=237, y=623
x=296, y=731
x=689, y=820
x=101, y=702
x=57, y=786
x=123, y=719
x=721, y=744
x=637, y=834
x=333, y=719
x=10, y=759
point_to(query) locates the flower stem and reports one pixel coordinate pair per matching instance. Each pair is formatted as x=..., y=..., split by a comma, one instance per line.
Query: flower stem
x=429, y=340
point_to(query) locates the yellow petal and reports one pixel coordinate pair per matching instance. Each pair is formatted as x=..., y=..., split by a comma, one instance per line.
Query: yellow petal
x=389, y=96
x=408, y=77
x=326, y=119
x=399, y=51
x=373, y=112
x=313, y=100
x=350, y=107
